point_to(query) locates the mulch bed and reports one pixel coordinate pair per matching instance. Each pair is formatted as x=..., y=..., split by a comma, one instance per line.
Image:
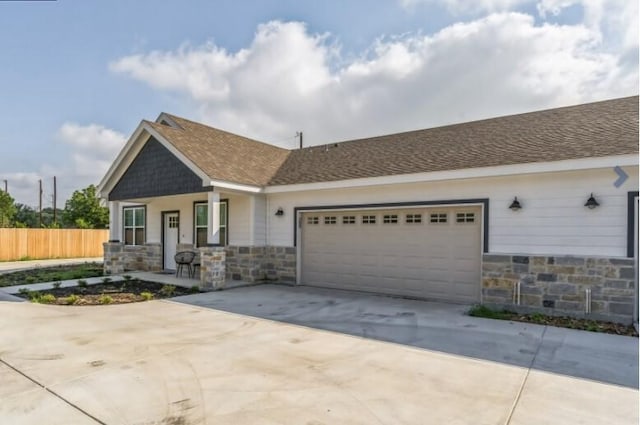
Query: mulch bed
x=121, y=292
x=580, y=324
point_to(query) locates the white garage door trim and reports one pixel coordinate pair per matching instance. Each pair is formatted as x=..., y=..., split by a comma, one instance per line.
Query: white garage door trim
x=481, y=206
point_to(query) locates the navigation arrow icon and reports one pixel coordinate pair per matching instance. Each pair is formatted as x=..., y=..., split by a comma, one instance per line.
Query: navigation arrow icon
x=622, y=176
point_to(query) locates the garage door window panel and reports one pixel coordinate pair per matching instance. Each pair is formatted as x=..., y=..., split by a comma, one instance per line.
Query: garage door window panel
x=390, y=219
x=465, y=217
x=349, y=219
x=438, y=218
x=368, y=219
x=413, y=218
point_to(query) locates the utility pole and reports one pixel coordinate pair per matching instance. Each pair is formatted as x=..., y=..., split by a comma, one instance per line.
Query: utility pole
x=40, y=201
x=6, y=186
x=299, y=134
x=55, y=221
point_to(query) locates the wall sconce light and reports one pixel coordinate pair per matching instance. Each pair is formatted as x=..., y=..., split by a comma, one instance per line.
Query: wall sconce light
x=591, y=202
x=515, y=205
x=279, y=211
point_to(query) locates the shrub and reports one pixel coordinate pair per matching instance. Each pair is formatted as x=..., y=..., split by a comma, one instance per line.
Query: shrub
x=168, y=290
x=33, y=295
x=72, y=299
x=82, y=283
x=24, y=291
x=146, y=295
x=488, y=313
x=30, y=279
x=47, y=299
x=126, y=277
x=195, y=289
x=105, y=299
x=57, y=284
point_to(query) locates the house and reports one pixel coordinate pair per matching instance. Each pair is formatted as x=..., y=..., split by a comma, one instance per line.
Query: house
x=530, y=209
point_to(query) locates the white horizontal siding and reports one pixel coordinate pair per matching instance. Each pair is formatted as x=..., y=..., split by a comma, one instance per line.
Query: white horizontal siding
x=259, y=221
x=553, y=220
x=239, y=218
x=181, y=203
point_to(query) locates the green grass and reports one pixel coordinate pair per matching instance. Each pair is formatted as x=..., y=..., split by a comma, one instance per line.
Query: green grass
x=488, y=313
x=51, y=274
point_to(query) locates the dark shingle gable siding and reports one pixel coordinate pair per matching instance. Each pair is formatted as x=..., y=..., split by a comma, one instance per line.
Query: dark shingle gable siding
x=156, y=172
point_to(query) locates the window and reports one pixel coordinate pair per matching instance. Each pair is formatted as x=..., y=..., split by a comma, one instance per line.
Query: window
x=349, y=219
x=201, y=222
x=413, y=218
x=438, y=218
x=465, y=217
x=313, y=220
x=330, y=220
x=134, y=224
x=174, y=222
x=368, y=219
x=390, y=218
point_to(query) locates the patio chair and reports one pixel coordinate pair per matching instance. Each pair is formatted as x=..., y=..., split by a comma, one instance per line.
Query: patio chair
x=195, y=265
x=184, y=258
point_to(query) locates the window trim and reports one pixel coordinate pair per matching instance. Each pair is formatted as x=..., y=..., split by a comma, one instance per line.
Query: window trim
x=224, y=225
x=134, y=227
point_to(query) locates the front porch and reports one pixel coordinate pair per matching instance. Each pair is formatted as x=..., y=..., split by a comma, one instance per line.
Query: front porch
x=220, y=267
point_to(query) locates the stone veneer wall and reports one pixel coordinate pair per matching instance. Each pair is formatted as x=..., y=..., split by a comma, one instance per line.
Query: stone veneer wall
x=113, y=257
x=280, y=264
x=119, y=257
x=256, y=263
x=557, y=284
x=247, y=263
x=212, y=267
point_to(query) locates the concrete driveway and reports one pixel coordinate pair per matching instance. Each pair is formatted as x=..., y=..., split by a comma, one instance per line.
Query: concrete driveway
x=164, y=362
x=437, y=326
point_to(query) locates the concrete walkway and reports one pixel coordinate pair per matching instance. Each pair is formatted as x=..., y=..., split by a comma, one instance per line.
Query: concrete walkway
x=163, y=362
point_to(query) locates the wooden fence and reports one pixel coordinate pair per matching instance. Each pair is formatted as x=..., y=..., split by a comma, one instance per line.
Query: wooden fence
x=16, y=244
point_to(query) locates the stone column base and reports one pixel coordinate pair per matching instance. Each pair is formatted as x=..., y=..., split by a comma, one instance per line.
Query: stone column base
x=212, y=267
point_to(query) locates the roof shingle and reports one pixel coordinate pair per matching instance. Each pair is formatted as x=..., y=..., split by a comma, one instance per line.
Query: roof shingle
x=583, y=131
x=222, y=155
x=590, y=130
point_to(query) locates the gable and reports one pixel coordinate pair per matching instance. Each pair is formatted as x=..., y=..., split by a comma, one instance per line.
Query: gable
x=155, y=171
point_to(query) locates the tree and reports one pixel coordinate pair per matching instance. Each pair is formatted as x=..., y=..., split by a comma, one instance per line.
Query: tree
x=26, y=216
x=7, y=209
x=83, y=210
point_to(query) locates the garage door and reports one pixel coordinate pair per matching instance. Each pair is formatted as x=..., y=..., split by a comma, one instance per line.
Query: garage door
x=425, y=252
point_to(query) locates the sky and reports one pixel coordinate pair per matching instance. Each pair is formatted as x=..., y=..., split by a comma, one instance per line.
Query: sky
x=77, y=76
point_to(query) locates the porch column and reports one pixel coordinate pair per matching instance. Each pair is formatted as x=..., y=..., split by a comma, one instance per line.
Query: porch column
x=213, y=200
x=115, y=227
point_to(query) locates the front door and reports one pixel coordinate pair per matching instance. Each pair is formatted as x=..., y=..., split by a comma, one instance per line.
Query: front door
x=171, y=223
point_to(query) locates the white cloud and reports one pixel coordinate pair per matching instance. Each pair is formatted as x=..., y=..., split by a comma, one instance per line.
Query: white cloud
x=289, y=79
x=92, y=148
x=93, y=138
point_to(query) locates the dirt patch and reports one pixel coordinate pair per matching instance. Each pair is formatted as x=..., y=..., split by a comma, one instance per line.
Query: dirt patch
x=107, y=293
